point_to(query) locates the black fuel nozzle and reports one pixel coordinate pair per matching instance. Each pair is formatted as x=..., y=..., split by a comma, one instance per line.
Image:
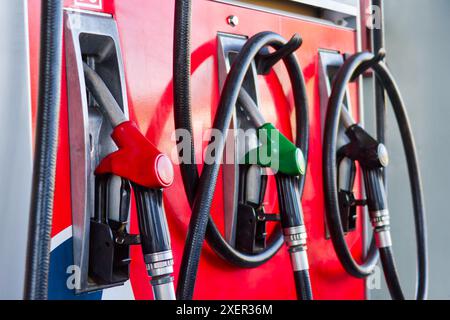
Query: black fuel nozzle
x=373, y=158
x=365, y=149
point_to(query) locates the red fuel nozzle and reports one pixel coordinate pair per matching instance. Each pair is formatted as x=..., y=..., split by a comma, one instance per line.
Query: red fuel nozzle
x=149, y=171
x=137, y=159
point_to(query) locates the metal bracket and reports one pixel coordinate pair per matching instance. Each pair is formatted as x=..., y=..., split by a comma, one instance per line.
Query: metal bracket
x=329, y=64
x=95, y=40
x=229, y=45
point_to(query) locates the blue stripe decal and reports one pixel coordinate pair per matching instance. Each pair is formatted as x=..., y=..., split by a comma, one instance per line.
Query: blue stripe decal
x=61, y=260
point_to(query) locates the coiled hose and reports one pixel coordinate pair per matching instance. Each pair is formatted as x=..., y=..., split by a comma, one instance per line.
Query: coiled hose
x=183, y=121
x=380, y=98
x=200, y=193
x=352, y=68
x=47, y=126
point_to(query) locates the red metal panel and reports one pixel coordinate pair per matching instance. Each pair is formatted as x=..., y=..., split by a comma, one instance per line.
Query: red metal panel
x=146, y=31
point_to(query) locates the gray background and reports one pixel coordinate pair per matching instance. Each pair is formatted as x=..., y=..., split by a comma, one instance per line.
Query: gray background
x=418, y=47
x=15, y=146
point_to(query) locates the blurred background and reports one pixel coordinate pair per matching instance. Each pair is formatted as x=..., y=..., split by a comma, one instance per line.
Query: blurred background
x=418, y=47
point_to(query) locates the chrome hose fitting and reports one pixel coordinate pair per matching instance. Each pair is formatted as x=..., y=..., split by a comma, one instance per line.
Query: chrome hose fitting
x=163, y=288
x=381, y=226
x=380, y=219
x=160, y=268
x=160, y=264
x=296, y=241
x=295, y=237
x=299, y=259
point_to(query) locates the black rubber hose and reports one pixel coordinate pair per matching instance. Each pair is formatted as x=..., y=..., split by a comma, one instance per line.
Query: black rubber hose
x=47, y=126
x=201, y=208
x=409, y=146
x=183, y=120
x=391, y=274
x=291, y=214
x=303, y=285
x=382, y=72
x=109, y=106
x=380, y=97
x=182, y=91
x=379, y=43
x=200, y=216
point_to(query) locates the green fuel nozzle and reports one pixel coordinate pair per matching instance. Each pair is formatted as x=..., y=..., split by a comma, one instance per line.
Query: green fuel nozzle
x=276, y=152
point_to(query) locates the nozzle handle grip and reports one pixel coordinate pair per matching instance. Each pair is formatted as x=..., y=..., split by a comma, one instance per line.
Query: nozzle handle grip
x=153, y=227
x=289, y=201
x=375, y=190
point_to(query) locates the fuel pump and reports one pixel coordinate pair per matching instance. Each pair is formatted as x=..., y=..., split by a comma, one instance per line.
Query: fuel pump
x=148, y=171
x=373, y=158
x=290, y=179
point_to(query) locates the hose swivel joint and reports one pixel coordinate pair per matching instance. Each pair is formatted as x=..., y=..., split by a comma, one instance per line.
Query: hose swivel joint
x=380, y=219
x=296, y=241
x=295, y=237
x=381, y=226
x=160, y=269
x=159, y=264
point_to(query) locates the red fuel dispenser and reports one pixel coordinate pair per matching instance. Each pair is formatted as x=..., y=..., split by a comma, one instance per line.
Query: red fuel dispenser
x=130, y=43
